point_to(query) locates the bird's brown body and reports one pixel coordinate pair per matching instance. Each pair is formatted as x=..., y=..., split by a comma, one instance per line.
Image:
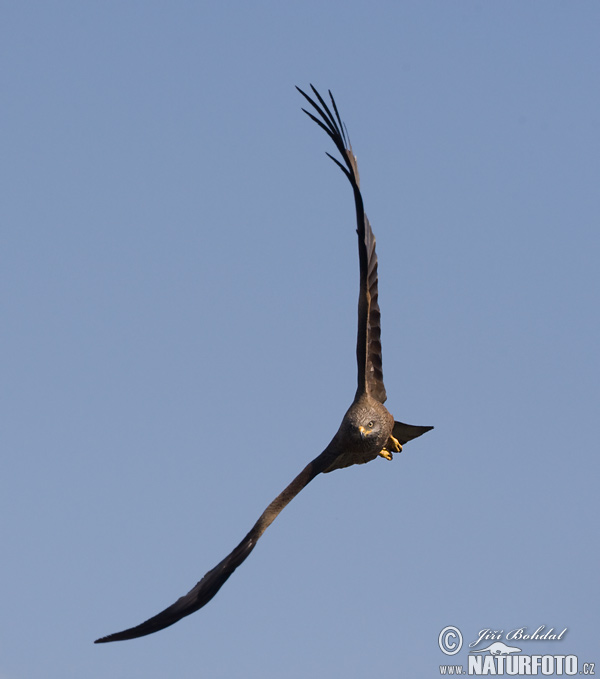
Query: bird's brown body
x=368, y=429
x=363, y=446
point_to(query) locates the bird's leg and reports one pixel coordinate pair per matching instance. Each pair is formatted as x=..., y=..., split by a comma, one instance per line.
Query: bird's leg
x=392, y=444
x=396, y=445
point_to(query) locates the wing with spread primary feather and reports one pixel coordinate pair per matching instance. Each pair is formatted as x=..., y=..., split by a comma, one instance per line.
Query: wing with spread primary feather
x=368, y=345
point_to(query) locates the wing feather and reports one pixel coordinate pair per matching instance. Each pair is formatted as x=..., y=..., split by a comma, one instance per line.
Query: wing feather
x=368, y=345
x=212, y=582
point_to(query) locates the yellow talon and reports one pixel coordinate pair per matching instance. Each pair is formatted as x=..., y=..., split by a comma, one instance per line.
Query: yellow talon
x=384, y=452
x=396, y=444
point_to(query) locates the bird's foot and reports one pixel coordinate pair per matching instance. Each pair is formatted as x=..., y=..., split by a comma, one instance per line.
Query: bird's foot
x=392, y=445
x=396, y=445
x=384, y=452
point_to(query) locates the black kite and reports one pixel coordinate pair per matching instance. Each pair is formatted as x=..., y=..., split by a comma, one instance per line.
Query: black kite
x=367, y=431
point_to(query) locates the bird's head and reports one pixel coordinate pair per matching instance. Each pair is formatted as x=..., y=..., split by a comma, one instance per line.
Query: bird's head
x=364, y=424
x=367, y=430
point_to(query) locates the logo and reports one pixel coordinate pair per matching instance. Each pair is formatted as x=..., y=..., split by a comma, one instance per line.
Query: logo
x=500, y=658
x=498, y=648
x=450, y=640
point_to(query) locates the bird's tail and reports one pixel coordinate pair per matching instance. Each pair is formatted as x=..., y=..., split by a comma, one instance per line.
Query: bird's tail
x=408, y=432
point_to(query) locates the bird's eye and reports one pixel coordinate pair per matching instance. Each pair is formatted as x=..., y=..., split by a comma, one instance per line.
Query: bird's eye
x=371, y=424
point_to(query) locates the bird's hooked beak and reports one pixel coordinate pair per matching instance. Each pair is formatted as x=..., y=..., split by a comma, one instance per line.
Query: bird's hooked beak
x=364, y=432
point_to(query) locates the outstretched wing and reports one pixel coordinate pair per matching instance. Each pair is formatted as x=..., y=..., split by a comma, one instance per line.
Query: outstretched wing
x=368, y=345
x=212, y=582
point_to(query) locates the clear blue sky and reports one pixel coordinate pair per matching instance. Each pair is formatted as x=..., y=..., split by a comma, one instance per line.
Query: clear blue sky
x=179, y=278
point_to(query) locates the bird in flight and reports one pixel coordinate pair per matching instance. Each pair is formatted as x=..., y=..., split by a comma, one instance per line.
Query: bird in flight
x=368, y=429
